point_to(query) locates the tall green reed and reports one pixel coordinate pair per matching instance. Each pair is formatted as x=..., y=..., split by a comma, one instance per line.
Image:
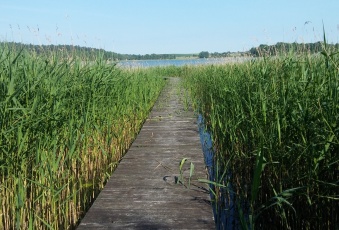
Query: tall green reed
x=64, y=125
x=275, y=130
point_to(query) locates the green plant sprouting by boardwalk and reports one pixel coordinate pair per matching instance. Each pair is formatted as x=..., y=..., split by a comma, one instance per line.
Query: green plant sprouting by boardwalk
x=64, y=125
x=274, y=123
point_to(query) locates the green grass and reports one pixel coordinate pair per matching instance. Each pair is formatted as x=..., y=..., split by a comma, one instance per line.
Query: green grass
x=64, y=125
x=274, y=123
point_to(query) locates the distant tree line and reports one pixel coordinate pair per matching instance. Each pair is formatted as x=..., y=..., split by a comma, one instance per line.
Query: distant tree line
x=281, y=48
x=93, y=53
x=86, y=52
x=220, y=55
x=206, y=54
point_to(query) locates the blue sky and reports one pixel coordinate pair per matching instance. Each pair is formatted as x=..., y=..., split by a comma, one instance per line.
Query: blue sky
x=168, y=26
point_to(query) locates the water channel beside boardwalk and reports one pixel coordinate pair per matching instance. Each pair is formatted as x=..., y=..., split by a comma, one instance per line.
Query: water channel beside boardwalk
x=224, y=209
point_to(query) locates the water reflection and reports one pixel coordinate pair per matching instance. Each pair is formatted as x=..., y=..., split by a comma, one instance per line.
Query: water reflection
x=224, y=207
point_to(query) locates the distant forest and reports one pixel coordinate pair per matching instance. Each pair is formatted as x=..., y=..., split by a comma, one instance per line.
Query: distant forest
x=94, y=53
x=86, y=52
x=281, y=48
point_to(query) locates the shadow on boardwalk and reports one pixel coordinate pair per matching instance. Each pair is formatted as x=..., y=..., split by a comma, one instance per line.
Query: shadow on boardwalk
x=142, y=193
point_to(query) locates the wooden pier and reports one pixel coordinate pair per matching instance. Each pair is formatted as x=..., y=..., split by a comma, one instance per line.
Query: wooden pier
x=143, y=192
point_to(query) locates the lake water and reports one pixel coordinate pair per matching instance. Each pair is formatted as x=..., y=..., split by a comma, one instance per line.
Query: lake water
x=181, y=62
x=224, y=210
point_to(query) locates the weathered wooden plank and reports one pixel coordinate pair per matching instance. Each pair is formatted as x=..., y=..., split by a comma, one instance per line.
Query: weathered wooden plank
x=143, y=192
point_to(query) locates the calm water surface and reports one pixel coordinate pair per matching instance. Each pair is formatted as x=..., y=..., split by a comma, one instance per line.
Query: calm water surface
x=181, y=62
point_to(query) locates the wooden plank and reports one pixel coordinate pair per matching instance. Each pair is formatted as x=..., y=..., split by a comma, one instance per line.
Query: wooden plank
x=142, y=193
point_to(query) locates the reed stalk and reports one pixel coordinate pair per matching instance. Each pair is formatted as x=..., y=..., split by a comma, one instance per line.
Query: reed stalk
x=64, y=125
x=274, y=124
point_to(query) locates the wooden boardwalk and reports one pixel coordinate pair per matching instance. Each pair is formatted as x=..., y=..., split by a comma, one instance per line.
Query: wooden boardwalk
x=142, y=193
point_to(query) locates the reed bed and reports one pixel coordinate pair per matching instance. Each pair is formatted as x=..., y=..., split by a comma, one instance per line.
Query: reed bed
x=64, y=125
x=274, y=124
